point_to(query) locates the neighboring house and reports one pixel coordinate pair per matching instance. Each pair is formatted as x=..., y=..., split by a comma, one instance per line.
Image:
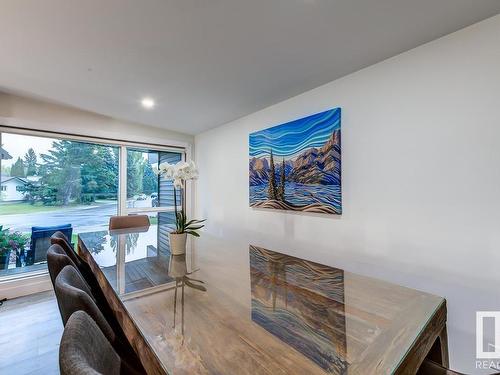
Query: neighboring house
x=10, y=188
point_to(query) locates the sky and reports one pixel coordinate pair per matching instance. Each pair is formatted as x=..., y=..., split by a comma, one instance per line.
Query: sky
x=17, y=145
x=290, y=139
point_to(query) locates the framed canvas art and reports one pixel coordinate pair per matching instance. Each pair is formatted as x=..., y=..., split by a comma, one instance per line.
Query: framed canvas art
x=297, y=165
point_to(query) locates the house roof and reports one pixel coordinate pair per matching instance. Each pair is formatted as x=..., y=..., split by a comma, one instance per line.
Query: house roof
x=4, y=154
x=5, y=178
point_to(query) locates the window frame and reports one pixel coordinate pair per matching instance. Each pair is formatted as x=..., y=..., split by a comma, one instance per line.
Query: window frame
x=123, y=185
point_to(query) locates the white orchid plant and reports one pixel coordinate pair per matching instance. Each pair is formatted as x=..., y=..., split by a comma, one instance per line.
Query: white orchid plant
x=180, y=173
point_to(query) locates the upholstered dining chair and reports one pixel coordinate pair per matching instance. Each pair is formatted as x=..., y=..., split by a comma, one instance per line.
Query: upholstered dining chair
x=86, y=272
x=85, y=350
x=128, y=222
x=57, y=259
x=59, y=238
x=73, y=294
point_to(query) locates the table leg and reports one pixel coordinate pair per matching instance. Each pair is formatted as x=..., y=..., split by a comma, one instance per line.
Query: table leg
x=439, y=350
x=443, y=339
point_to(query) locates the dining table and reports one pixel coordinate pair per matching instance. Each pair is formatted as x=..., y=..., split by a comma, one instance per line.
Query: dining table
x=228, y=306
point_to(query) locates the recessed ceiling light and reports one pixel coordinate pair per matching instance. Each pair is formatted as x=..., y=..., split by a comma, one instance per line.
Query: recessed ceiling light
x=148, y=103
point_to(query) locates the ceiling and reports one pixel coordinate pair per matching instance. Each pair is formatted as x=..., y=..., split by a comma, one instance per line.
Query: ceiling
x=206, y=62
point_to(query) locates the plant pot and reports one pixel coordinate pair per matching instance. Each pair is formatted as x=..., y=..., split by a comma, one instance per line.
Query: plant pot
x=177, y=266
x=178, y=243
x=4, y=260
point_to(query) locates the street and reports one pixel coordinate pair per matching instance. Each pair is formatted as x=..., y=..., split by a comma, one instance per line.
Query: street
x=82, y=218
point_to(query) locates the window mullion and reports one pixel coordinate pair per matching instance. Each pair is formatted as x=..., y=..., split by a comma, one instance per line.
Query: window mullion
x=122, y=172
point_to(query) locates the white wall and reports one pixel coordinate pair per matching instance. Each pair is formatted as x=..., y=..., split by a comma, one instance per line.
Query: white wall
x=11, y=193
x=421, y=177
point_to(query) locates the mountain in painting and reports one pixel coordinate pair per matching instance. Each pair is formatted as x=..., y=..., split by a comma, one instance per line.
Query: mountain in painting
x=259, y=171
x=313, y=166
x=319, y=166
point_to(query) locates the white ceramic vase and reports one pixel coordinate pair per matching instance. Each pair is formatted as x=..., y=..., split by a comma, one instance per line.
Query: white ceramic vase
x=177, y=266
x=178, y=243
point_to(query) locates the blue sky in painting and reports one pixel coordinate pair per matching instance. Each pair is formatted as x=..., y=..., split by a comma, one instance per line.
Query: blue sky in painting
x=291, y=138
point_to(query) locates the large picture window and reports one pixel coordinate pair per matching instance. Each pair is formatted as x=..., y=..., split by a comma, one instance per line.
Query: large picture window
x=51, y=181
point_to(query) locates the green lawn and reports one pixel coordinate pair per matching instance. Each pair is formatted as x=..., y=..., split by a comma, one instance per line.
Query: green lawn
x=26, y=208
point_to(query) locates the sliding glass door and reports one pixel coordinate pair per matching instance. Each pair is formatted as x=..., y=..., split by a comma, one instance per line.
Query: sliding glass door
x=51, y=181
x=147, y=193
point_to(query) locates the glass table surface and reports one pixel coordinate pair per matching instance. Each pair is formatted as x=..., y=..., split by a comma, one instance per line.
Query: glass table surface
x=229, y=307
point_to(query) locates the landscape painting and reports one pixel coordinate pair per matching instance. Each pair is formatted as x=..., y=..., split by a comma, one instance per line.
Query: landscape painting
x=297, y=165
x=302, y=304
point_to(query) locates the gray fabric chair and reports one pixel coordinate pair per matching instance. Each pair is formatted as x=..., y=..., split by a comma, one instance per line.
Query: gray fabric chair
x=59, y=238
x=84, y=350
x=56, y=261
x=74, y=294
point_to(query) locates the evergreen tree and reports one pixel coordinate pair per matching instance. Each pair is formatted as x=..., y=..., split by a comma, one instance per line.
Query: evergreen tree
x=17, y=168
x=281, y=188
x=30, y=160
x=99, y=174
x=272, y=179
x=6, y=169
x=78, y=171
x=135, y=173
x=150, y=181
x=62, y=168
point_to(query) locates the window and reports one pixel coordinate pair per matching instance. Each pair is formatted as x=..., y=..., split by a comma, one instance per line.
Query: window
x=145, y=189
x=77, y=182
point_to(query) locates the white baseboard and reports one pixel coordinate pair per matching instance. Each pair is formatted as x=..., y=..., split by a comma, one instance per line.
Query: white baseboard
x=24, y=286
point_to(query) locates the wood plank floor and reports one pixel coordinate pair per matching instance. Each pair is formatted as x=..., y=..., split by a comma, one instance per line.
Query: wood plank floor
x=30, y=331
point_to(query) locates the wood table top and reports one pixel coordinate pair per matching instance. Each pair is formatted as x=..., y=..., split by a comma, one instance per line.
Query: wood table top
x=234, y=308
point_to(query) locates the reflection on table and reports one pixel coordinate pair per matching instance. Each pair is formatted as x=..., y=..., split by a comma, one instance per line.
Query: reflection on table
x=133, y=261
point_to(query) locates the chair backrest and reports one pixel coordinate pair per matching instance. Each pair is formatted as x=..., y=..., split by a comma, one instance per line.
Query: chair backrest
x=56, y=261
x=131, y=221
x=40, y=240
x=73, y=294
x=85, y=350
x=60, y=239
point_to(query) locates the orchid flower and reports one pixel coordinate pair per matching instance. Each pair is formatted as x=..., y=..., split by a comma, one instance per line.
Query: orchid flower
x=179, y=174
